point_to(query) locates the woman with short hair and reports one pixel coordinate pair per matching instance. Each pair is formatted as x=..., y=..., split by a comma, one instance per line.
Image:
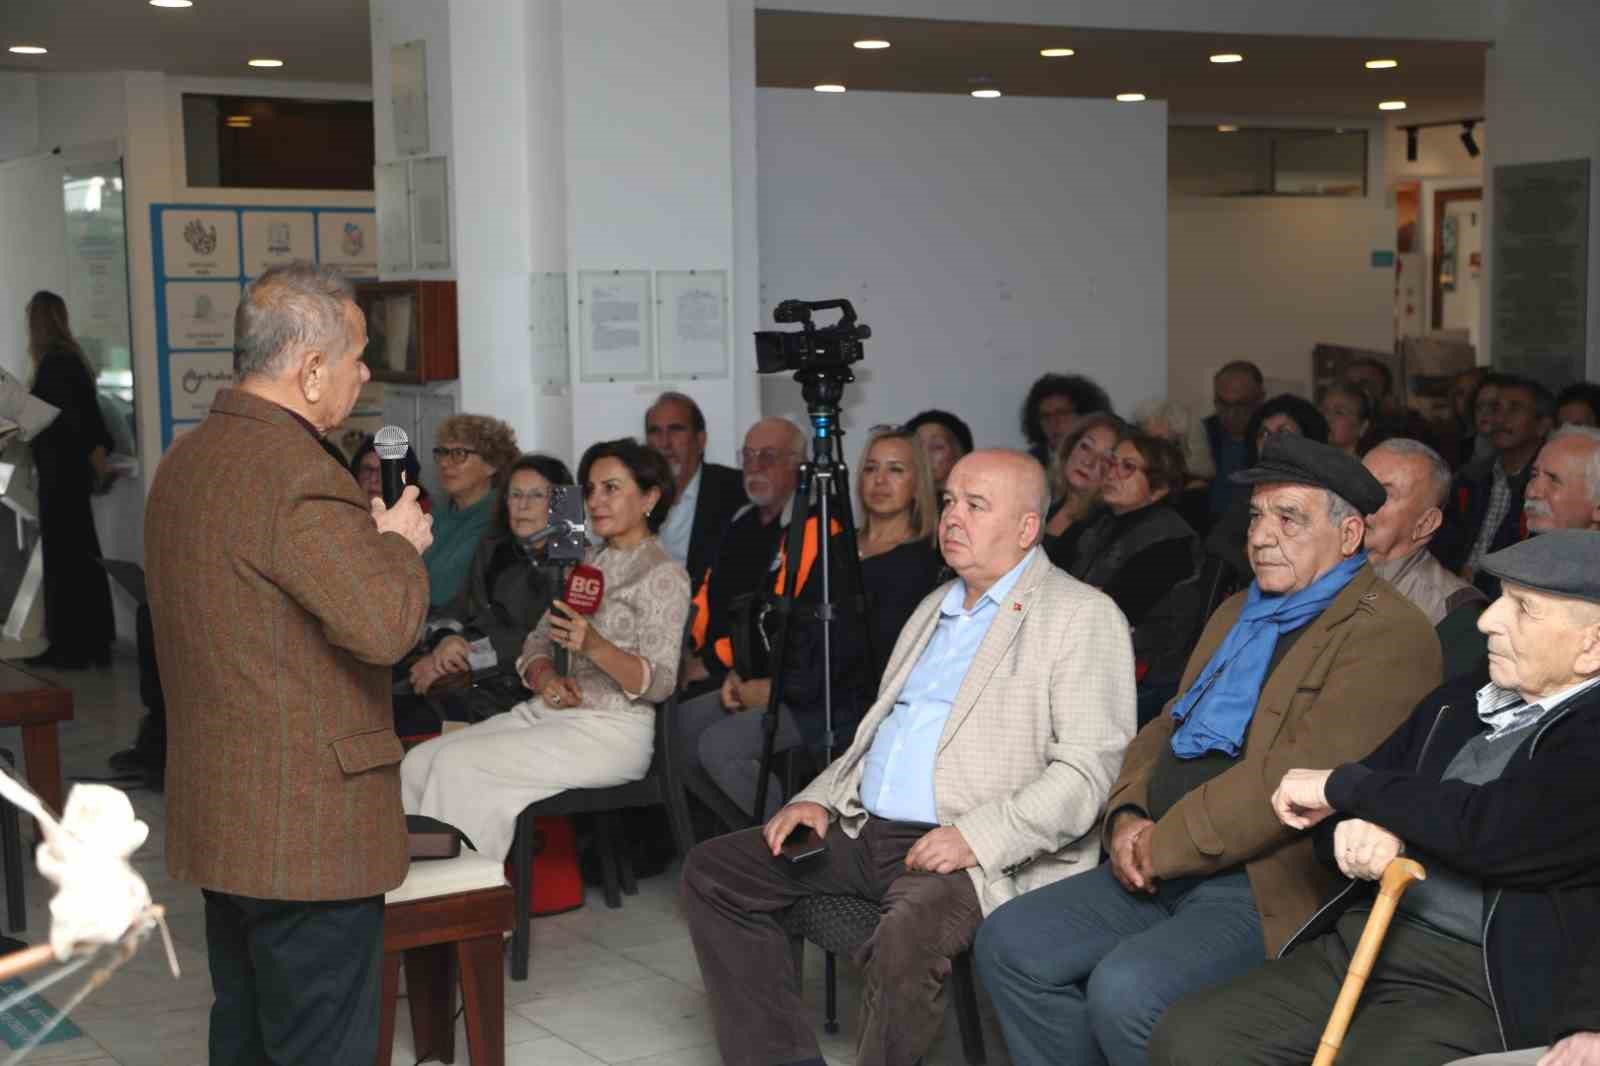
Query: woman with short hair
x=472, y=453
x=595, y=726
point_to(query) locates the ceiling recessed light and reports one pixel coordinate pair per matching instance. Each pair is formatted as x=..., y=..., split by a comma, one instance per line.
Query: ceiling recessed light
x=1392, y=105
x=266, y=62
x=1130, y=98
x=986, y=94
x=1225, y=128
x=828, y=88
x=238, y=121
x=1382, y=64
x=1227, y=57
x=1056, y=53
x=171, y=3
x=872, y=44
x=28, y=50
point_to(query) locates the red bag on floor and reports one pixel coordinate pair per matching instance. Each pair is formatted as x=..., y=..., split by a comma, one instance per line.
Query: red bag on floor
x=557, y=884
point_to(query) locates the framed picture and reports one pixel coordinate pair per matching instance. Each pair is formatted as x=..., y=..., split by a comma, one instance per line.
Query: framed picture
x=393, y=327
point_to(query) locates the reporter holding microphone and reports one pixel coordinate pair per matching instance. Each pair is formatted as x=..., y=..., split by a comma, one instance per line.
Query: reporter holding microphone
x=593, y=726
x=280, y=597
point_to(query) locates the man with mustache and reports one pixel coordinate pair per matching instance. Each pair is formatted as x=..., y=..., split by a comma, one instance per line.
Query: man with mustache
x=1318, y=660
x=1564, y=490
x=978, y=774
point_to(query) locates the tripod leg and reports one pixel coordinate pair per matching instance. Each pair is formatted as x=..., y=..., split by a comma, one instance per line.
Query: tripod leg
x=799, y=515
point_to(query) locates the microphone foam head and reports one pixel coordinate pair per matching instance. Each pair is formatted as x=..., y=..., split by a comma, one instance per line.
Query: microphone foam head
x=391, y=442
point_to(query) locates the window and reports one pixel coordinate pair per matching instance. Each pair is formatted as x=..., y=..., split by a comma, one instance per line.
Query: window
x=258, y=142
x=1205, y=161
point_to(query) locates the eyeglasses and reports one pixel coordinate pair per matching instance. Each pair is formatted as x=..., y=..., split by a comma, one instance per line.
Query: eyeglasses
x=455, y=455
x=763, y=457
x=1122, y=467
x=517, y=496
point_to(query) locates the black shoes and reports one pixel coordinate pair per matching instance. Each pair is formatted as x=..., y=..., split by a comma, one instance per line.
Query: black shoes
x=54, y=659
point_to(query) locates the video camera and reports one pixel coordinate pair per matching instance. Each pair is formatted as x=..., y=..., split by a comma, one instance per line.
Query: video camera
x=814, y=348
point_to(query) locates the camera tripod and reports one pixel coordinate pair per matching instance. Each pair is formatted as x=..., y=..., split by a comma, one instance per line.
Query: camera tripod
x=823, y=490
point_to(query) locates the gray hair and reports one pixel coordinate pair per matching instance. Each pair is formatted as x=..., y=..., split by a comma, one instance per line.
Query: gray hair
x=1340, y=508
x=287, y=310
x=1438, y=469
x=1591, y=468
x=697, y=418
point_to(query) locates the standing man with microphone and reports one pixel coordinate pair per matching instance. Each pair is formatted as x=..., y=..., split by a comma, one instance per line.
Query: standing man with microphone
x=280, y=598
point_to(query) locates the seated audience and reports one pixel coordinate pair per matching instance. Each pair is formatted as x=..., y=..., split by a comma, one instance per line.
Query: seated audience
x=1053, y=408
x=1564, y=490
x=1486, y=499
x=502, y=600
x=1078, y=475
x=899, y=567
x=708, y=495
x=471, y=453
x=1390, y=416
x=1485, y=785
x=1464, y=442
x=594, y=727
x=367, y=469
x=945, y=438
x=1172, y=421
x=1579, y=405
x=1138, y=548
x=1284, y=413
x=1417, y=481
x=1349, y=413
x=977, y=775
x=1485, y=409
x=1319, y=656
x=1237, y=391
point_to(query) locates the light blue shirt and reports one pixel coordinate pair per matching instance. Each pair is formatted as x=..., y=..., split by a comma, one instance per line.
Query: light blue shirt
x=897, y=780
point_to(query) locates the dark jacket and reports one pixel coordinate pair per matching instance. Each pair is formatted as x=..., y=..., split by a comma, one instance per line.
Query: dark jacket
x=503, y=598
x=1532, y=837
x=1136, y=558
x=1465, y=511
x=721, y=496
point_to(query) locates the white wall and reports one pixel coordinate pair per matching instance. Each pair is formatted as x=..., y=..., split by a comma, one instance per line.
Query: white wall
x=1266, y=279
x=985, y=242
x=34, y=255
x=19, y=114
x=1541, y=86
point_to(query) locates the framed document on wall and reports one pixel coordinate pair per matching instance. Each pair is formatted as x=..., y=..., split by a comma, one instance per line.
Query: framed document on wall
x=692, y=323
x=614, y=324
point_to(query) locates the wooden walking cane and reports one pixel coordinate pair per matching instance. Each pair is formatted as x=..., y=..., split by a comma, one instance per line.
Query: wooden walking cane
x=1397, y=877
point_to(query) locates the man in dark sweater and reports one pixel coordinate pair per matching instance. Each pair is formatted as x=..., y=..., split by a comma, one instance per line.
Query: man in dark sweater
x=1490, y=786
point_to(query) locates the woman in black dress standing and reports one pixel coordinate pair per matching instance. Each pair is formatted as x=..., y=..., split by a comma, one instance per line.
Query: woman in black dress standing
x=71, y=458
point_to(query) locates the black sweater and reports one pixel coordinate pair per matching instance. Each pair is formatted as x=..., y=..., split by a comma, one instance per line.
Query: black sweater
x=1532, y=838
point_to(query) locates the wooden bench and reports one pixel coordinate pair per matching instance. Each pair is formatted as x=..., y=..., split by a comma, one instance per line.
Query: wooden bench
x=36, y=705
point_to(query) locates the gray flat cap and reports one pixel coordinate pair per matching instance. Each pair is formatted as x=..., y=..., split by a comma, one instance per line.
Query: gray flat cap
x=1563, y=561
x=1302, y=461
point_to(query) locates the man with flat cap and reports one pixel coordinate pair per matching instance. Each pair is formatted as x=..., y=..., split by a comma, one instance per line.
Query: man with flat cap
x=1491, y=787
x=1313, y=664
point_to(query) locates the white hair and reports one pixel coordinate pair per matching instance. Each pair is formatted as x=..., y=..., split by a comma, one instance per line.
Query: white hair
x=1185, y=430
x=1339, y=508
x=1438, y=469
x=1591, y=468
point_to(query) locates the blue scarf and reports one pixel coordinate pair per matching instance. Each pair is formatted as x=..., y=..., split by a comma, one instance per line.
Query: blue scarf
x=1227, y=688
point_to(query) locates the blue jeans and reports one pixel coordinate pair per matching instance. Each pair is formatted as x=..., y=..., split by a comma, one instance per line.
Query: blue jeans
x=1080, y=971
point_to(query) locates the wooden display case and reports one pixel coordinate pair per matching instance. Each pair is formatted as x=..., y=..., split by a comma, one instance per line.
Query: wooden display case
x=411, y=330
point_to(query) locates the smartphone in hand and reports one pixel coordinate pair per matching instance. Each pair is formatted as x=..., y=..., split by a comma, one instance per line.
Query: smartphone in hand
x=801, y=845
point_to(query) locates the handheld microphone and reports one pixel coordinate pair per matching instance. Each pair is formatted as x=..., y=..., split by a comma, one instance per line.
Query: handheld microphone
x=585, y=586
x=391, y=444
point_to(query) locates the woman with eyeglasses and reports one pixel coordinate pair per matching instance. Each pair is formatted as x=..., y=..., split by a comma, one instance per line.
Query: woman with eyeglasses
x=471, y=452
x=594, y=727
x=367, y=469
x=502, y=600
x=1076, y=479
x=1139, y=547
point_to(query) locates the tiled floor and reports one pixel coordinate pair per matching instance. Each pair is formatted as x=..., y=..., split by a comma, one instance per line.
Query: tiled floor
x=604, y=986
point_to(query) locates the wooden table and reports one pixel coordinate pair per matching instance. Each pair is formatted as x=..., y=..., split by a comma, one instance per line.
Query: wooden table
x=36, y=705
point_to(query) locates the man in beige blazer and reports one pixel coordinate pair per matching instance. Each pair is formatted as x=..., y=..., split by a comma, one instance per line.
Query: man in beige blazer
x=978, y=774
x=280, y=598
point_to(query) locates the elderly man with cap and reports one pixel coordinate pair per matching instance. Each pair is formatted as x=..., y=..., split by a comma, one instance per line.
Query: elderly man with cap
x=1313, y=664
x=1416, y=480
x=1564, y=489
x=1491, y=788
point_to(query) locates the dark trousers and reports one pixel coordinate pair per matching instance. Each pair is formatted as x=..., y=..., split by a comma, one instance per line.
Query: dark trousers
x=1426, y=1003
x=77, y=593
x=1081, y=970
x=296, y=984
x=733, y=892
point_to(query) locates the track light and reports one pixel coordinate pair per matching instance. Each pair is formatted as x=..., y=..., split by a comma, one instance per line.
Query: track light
x=1411, y=144
x=1468, y=141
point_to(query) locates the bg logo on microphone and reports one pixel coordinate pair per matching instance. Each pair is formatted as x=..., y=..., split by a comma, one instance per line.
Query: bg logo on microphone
x=585, y=588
